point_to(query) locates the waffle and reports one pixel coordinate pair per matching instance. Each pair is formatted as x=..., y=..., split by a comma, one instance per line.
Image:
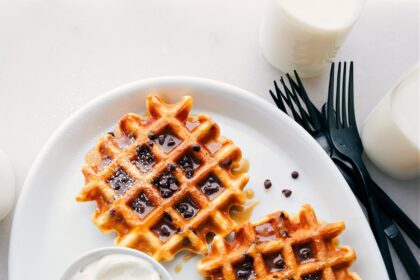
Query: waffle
x=277, y=247
x=164, y=181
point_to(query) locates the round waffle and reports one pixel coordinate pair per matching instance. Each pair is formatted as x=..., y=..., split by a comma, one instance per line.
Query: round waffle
x=278, y=247
x=164, y=181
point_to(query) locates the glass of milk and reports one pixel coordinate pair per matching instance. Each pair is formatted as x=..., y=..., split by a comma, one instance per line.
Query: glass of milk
x=390, y=134
x=305, y=35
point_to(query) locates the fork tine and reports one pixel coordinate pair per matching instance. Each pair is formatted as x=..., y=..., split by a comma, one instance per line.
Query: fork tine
x=296, y=93
x=314, y=113
x=280, y=100
x=330, y=107
x=303, y=122
x=344, y=107
x=352, y=118
x=277, y=99
x=338, y=97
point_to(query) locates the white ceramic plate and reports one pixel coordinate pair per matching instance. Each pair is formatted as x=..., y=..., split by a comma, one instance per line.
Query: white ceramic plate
x=50, y=229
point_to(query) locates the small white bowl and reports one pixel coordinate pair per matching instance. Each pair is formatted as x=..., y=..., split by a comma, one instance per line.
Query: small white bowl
x=96, y=254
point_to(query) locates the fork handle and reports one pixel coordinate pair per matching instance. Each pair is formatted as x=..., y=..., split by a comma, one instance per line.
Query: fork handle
x=385, y=202
x=404, y=253
x=395, y=212
x=374, y=216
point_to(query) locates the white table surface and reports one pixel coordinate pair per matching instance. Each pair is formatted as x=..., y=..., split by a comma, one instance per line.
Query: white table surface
x=57, y=55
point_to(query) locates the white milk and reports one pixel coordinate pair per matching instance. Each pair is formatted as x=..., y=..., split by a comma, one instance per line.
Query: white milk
x=390, y=134
x=305, y=35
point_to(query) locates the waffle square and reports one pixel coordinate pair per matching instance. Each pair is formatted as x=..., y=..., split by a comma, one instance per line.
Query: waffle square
x=278, y=247
x=164, y=181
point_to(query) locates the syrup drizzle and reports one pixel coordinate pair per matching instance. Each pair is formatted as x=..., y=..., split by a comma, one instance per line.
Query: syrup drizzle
x=241, y=214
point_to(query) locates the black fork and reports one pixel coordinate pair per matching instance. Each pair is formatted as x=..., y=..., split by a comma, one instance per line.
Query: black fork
x=345, y=138
x=315, y=123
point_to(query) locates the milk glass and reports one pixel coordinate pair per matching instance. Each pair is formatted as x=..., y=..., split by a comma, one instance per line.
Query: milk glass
x=305, y=35
x=390, y=134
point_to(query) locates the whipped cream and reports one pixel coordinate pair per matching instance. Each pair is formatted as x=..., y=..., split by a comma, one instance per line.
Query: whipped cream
x=118, y=267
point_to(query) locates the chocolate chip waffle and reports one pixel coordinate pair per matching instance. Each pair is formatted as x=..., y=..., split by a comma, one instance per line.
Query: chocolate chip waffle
x=278, y=247
x=164, y=181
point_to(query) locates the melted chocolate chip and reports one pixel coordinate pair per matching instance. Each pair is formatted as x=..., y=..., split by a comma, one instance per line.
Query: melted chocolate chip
x=161, y=139
x=286, y=192
x=164, y=229
x=187, y=208
x=142, y=205
x=120, y=181
x=284, y=233
x=152, y=135
x=303, y=252
x=196, y=147
x=171, y=167
x=111, y=133
x=245, y=269
x=150, y=143
x=226, y=163
x=167, y=140
x=167, y=217
x=295, y=174
x=188, y=164
x=274, y=262
x=313, y=276
x=171, y=142
x=166, y=184
x=211, y=186
x=267, y=184
x=144, y=159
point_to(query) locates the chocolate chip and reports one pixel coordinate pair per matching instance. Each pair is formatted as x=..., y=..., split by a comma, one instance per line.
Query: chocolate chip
x=209, y=190
x=111, y=133
x=188, y=164
x=112, y=212
x=295, y=174
x=121, y=181
x=166, y=184
x=305, y=253
x=196, y=147
x=267, y=184
x=152, y=135
x=164, y=231
x=282, y=216
x=161, y=139
x=145, y=159
x=150, y=143
x=171, y=167
x=284, y=233
x=186, y=242
x=314, y=276
x=182, y=207
x=279, y=263
x=189, y=174
x=187, y=208
x=286, y=192
x=171, y=142
x=165, y=193
x=226, y=163
x=245, y=270
x=167, y=217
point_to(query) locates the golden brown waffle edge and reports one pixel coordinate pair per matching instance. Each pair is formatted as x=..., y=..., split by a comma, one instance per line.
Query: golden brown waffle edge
x=280, y=247
x=164, y=181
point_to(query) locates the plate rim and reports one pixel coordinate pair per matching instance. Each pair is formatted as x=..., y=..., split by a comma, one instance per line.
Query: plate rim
x=173, y=81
